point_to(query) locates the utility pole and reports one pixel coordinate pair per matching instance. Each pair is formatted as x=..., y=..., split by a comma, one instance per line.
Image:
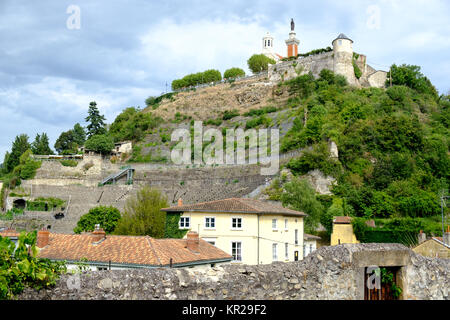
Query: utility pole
x=166, y=86
x=442, y=214
x=390, y=76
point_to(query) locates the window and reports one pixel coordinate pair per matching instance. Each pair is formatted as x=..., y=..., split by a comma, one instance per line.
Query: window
x=185, y=222
x=210, y=222
x=304, y=250
x=102, y=268
x=236, y=223
x=274, y=224
x=236, y=251
x=296, y=236
x=274, y=252
x=340, y=42
x=286, y=251
x=210, y=240
x=310, y=248
x=285, y=224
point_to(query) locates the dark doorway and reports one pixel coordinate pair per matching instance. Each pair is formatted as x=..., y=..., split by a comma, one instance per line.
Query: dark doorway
x=387, y=287
x=19, y=204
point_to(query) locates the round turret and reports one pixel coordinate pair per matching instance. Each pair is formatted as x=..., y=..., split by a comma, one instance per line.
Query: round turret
x=343, y=57
x=343, y=44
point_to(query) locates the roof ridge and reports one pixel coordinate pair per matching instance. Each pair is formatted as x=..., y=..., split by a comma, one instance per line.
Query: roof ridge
x=149, y=241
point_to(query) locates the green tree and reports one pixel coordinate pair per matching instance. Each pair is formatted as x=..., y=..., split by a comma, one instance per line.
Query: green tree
x=410, y=76
x=106, y=217
x=26, y=169
x=40, y=145
x=335, y=210
x=143, y=215
x=79, y=135
x=100, y=143
x=65, y=144
x=20, y=145
x=299, y=195
x=96, y=121
x=233, y=73
x=259, y=62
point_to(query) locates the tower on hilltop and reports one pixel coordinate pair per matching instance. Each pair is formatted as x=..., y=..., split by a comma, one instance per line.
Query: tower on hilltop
x=292, y=43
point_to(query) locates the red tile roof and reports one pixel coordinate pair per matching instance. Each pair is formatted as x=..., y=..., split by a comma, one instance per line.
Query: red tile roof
x=307, y=236
x=342, y=220
x=128, y=250
x=237, y=205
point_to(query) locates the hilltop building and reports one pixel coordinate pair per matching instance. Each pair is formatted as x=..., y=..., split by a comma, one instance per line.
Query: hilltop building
x=252, y=231
x=341, y=59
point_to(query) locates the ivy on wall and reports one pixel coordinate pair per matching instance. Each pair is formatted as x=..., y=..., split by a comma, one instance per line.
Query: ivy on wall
x=172, y=226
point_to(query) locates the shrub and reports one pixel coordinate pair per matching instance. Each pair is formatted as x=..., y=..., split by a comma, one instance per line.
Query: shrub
x=21, y=268
x=196, y=79
x=261, y=120
x=106, y=217
x=259, y=112
x=233, y=73
x=229, y=114
x=318, y=158
x=69, y=163
x=259, y=62
x=356, y=70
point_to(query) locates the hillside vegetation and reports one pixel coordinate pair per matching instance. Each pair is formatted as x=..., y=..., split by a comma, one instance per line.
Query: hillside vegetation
x=393, y=145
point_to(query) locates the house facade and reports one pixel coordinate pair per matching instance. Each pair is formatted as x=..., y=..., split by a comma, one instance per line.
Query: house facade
x=342, y=231
x=309, y=243
x=251, y=231
x=434, y=247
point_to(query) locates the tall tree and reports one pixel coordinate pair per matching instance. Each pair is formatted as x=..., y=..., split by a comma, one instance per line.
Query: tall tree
x=96, y=121
x=299, y=195
x=65, y=143
x=143, y=215
x=20, y=145
x=79, y=135
x=40, y=144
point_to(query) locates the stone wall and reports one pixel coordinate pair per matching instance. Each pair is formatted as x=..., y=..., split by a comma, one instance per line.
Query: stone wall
x=327, y=273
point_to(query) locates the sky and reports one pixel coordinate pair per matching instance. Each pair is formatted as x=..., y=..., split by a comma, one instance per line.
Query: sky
x=57, y=56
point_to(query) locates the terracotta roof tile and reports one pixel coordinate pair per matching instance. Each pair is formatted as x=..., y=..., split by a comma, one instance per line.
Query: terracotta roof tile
x=342, y=220
x=236, y=205
x=133, y=250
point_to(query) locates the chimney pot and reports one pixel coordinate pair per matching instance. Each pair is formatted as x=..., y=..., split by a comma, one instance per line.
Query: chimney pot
x=43, y=238
x=180, y=202
x=192, y=241
x=98, y=234
x=446, y=236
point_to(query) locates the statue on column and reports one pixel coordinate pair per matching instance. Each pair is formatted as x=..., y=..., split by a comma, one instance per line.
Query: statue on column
x=292, y=24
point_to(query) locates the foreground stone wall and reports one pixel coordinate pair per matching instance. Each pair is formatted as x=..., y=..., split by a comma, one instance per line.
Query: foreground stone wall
x=328, y=273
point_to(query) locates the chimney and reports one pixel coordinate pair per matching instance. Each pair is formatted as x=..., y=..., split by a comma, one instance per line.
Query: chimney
x=192, y=241
x=446, y=236
x=98, y=234
x=422, y=237
x=43, y=238
x=180, y=202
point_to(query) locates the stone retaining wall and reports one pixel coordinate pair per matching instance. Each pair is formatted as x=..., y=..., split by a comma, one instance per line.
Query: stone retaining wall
x=328, y=273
